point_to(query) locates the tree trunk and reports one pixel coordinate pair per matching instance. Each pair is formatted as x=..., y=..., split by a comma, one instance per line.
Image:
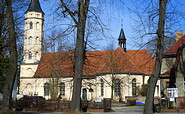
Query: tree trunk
x=112, y=87
x=79, y=55
x=7, y=93
x=148, y=109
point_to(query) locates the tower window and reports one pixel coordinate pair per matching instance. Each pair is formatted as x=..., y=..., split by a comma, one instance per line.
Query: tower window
x=62, y=89
x=29, y=71
x=30, y=55
x=46, y=89
x=31, y=25
x=134, y=87
x=37, y=40
x=30, y=40
x=37, y=15
x=37, y=25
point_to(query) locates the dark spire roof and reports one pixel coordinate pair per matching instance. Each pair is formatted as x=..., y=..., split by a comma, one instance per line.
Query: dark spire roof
x=35, y=6
x=121, y=35
x=122, y=40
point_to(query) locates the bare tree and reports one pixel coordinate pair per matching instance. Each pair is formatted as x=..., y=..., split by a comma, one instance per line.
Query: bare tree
x=7, y=95
x=83, y=6
x=148, y=109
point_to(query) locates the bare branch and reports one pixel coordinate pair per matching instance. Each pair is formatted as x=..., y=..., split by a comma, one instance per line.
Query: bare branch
x=70, y=13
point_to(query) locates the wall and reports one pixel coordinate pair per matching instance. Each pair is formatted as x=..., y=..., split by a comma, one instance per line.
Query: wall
x=180, y=75
x=31, y=86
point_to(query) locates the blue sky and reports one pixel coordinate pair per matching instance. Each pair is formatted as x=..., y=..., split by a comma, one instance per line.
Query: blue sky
x=114, y=18
x=120, y=15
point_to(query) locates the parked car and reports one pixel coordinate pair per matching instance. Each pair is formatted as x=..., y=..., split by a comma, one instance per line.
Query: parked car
x=30, y=102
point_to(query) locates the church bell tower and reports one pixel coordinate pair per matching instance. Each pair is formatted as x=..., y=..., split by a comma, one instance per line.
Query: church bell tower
x=122, y=40
x=33, y=33
x=33, y=46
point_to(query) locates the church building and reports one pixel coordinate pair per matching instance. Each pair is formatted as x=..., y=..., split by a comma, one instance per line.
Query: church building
x=113, y=74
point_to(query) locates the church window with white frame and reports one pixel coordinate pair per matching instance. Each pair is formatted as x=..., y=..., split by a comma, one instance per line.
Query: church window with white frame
x=46, y=89
x=62, y=89
x=134, y=87
x=116, y=87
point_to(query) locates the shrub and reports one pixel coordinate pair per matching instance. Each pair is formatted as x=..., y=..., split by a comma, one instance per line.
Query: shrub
x=143, y=90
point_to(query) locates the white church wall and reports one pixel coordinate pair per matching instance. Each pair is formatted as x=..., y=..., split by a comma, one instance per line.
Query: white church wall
x=31, y=86
x=26, y=86
x=28, y=70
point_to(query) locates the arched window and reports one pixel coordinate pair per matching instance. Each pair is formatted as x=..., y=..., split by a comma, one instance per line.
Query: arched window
x=31, y=25
x=29, y=71
x=30, y=40
x=102, y=87
x=29, y=88
x=134, y=87
x=46, y=89
x=37, y=40
x=30, y=55
x=37, y=25
x=62, y=89
x=28, y=85
x=116, y=87
x=36, y=55
x=84, y=94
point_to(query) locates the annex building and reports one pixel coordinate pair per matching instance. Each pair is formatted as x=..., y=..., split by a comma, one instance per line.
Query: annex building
x=173, y=71
x=113, y=73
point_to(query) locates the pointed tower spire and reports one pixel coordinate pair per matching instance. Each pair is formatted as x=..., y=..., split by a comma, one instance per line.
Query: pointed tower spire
x=35, y=6
x=122, y=40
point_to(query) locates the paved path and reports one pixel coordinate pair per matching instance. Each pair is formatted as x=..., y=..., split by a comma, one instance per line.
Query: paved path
x=118, y=110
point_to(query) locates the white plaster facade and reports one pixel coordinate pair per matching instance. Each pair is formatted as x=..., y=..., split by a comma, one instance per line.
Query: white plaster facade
x=36, y=86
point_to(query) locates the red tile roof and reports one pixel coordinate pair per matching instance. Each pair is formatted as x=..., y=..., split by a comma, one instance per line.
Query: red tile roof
x=96, y=63
x=173, y=49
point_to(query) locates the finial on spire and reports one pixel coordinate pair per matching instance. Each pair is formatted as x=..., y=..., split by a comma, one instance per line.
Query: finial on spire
x=121, y=23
